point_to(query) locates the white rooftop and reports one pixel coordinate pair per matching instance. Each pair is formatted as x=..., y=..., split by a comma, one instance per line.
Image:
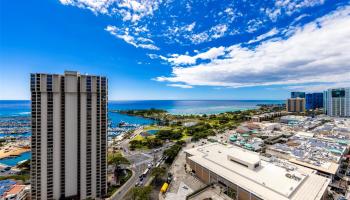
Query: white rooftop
x=268, y=181
x=305, y=134
x=244, y=155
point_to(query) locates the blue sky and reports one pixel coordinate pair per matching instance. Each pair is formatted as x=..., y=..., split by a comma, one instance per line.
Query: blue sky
x=168, y=49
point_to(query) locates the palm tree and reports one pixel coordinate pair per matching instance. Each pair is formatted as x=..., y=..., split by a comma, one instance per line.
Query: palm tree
x=158, y=173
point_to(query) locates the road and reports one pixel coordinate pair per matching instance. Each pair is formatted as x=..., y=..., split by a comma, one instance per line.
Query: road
x=139, y=162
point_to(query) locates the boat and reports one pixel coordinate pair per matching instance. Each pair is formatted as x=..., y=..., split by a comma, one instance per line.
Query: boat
x=122, y=123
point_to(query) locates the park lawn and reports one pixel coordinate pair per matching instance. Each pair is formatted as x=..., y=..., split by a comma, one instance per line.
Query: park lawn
x=155, y=127
x=151, y=137
x=151, y=127
x=184, y=136
x=139, y=138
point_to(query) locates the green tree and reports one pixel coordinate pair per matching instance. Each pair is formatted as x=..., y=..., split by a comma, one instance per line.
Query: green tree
x=141, y=193
x=117, y=159
x=24, y=165
x=171, y=153
x=169, y=134
x=158, y=173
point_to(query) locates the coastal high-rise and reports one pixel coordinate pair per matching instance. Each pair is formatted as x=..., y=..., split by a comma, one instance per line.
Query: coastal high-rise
x=297, y=95
x=296, y=105
x=314, y=101
x=69, y=136
x=337, y=102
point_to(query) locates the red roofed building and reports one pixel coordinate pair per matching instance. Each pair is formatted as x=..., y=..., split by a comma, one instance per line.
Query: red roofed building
x=17, y=192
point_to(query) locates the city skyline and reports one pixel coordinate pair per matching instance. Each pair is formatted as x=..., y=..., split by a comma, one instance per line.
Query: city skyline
x=167, y=99
x=231, y=51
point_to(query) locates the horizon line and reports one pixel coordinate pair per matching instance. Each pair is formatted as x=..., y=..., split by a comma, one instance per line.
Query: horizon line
x=171, y=100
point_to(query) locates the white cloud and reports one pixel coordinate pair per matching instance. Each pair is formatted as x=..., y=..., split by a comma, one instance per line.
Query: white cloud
x=299, y=18
x=165, y=19
x=229, y=11
x=290, y=7
x=211, y=54
x=66, y=2
x=218, y=31
x=190, y=26
x=198, y=38
x=129, y=10
x=148, y=46
x=318, y=87
x=313, y=54
x=254, y=25
x=273, y=13
x=180, y=86
x=271, y=33
x=152, y=56
x=136, y=10
x=96, y=6
x=139, y=42
x=214, y=32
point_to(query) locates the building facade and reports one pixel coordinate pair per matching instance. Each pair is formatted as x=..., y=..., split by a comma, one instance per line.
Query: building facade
x=69, y=136
x=314, y=101
x=337, y=102
x=297, y=95
x=296, y=105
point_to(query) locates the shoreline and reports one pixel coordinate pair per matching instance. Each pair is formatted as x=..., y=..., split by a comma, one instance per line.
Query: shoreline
x=13, y=153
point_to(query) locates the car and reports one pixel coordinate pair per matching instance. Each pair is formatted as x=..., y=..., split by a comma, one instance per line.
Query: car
x=155, y=150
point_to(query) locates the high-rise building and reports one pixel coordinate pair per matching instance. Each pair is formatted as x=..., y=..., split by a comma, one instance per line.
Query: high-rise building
x=296, y=105
x=336, y=102
x=314, y=101
x=69, y=136
x=297, y=95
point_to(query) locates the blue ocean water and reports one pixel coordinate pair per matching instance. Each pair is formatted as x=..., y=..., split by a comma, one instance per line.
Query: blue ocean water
x=14, y=160
x=22, y=107
x=19, y=135
x=14, y=108
x=116, y=118
x=191, y=106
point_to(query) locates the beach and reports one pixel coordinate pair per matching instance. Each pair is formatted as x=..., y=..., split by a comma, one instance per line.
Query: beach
x=12, y=151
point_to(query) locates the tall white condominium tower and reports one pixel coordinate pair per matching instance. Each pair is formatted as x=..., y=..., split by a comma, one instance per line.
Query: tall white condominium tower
x=337, y=102
x=69, y=136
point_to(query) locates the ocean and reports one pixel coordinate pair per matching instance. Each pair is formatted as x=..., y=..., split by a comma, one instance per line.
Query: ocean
x=21, y=108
